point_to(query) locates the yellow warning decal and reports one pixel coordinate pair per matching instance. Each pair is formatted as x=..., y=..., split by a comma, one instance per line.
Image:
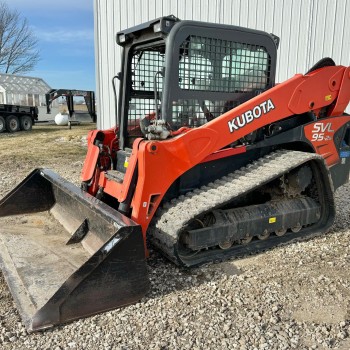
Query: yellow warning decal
x=328, y=97
x=272, y=220
x=126, y=163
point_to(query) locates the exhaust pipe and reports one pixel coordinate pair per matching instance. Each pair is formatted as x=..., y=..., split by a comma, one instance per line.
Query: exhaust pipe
x=67, y=255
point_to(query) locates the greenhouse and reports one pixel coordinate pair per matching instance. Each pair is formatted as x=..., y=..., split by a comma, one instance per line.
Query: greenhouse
x=22, y=90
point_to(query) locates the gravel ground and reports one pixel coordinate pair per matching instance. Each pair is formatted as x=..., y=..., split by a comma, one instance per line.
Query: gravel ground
x=292, y=297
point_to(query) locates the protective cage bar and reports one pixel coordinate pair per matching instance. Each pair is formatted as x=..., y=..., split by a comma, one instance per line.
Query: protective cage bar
x=53, y=282
x=206, y=64
x=144, y=66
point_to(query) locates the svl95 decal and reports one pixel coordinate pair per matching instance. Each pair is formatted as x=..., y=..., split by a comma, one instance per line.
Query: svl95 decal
x=321, y=131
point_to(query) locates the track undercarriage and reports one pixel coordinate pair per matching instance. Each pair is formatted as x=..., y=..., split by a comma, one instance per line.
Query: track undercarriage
x=280, y=197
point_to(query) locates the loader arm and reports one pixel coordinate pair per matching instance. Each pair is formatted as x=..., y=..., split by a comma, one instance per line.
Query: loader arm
x=161, y=162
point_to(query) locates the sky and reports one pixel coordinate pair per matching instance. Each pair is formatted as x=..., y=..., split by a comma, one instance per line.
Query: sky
x=65, y=30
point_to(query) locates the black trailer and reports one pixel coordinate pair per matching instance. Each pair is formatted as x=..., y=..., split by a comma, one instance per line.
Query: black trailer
x=15, y=117
x=89, y=97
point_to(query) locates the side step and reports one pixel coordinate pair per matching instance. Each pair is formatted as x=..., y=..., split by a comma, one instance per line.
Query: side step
x=72, y=256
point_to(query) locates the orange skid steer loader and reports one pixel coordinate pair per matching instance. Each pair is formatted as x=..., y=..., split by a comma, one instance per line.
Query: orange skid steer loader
x=210, y=159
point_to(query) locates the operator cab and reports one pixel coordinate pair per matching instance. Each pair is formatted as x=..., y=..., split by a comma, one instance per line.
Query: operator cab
x=187, y=73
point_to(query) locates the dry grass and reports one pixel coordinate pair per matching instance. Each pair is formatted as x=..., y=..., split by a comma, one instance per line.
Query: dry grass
x=46, y=146
x=77, y=108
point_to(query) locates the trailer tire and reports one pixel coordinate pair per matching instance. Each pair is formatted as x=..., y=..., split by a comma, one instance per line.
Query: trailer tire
x=26, y=123
x=12, y=123
x=2, y=124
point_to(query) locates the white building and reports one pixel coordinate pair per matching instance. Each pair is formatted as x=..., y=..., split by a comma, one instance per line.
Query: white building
x=22, y=90
x=308, y=29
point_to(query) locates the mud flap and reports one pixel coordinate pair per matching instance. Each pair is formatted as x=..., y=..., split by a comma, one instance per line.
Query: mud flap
x=72, y=256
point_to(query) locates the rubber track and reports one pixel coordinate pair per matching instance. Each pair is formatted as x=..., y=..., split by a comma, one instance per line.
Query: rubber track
x=173, y=217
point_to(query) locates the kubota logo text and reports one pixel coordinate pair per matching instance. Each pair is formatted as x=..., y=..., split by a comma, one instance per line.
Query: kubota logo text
x=248, y=116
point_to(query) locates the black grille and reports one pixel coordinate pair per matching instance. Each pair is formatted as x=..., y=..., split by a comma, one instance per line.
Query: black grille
x=216, y=65
x=193, y=113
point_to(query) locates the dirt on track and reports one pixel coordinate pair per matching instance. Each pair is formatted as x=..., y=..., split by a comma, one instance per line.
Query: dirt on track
x=296, y=296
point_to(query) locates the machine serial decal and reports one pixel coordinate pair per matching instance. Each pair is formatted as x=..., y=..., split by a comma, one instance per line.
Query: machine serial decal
x=248, y=116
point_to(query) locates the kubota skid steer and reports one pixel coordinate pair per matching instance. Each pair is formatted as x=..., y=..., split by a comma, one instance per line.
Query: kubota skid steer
x=209, y=160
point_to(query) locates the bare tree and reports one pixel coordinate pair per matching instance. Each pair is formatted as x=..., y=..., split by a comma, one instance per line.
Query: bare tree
x=18, y=45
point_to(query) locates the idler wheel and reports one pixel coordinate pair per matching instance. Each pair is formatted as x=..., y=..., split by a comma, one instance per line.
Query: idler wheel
x=264, y=235
x=280, y=232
